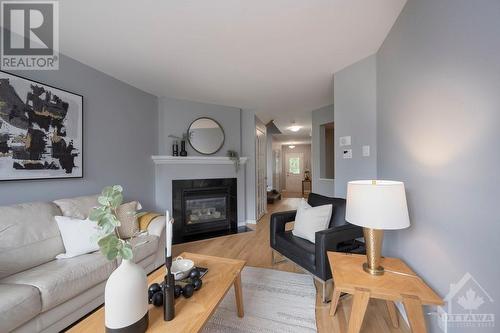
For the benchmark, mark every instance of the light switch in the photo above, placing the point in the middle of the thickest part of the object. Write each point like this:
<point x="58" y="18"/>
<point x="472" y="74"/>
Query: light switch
<point x="345" y="141"/>
<point x="347" y="153"/>
<point x="366" y="151"/>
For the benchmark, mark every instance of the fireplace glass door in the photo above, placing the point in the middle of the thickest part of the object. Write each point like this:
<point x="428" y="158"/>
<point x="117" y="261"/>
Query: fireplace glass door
<point x="205" y="210"/>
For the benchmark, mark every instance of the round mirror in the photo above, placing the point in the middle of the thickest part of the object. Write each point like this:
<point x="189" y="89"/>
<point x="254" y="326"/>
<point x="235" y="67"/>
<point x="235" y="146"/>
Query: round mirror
<point x="206" y="136"/>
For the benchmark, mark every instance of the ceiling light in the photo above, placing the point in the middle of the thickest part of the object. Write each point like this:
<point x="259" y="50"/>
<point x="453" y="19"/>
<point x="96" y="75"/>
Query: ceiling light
<point x="291" y="146"/>
<point x="294" y="128"/>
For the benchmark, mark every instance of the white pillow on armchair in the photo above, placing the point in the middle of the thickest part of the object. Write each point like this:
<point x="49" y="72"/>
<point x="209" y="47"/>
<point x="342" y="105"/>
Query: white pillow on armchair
<point x="310" y="220"/>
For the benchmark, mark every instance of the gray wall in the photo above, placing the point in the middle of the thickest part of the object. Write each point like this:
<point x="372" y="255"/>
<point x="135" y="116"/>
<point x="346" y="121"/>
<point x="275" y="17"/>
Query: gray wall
<point x="120" y="135"/>
<point x="355" y="100"/>
<point x="319" y="185"/>
<point x="176" y="115"/>
<point x="438" y="116"/>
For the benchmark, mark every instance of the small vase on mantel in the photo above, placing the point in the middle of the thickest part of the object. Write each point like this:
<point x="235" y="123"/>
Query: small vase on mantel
<point x="126" y="299"/>
<point x="183" y="148"/>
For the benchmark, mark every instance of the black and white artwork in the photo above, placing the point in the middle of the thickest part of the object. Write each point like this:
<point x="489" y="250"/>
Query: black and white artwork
<point x="40" y="130"/>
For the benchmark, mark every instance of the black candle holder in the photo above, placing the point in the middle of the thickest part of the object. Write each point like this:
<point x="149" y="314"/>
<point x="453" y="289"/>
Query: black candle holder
<point x="168" y="292"/>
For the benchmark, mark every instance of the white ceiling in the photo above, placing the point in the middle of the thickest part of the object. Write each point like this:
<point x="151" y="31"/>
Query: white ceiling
<point x="275" y="57"/>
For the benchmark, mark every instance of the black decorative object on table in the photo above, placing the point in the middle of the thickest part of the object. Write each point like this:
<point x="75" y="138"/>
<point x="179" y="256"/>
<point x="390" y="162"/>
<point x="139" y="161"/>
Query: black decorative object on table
<point x="169" y="292"/>
<point x="177" y="291"/>
<point x="197" y="283"/>
<point x="164" y="294"/>
<point x="152" y="290"/>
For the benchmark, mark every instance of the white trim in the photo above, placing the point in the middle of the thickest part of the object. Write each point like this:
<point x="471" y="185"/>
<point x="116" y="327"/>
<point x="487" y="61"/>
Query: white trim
<point x="326" y="179"/>
<point x="251" y="222"/>
<point x="165" y="159"/>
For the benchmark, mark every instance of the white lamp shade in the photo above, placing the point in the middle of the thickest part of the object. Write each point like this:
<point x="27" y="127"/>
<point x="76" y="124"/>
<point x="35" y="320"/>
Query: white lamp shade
<point x="377" y="204"/>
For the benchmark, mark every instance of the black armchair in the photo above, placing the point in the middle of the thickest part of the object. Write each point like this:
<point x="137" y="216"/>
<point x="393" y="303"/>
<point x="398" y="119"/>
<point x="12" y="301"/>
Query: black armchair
<point x="340" y="236"/>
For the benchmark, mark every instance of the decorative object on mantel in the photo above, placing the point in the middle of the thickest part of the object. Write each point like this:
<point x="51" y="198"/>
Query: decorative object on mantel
<point x="235" y="157"/>
<point x="183" y="151"/>
<point x="175" y="148"/>
<point x="175" y="145"/>
<point x="206" y="136"/>
<point x="41" y="137"/>
<point x="125" y="293"/>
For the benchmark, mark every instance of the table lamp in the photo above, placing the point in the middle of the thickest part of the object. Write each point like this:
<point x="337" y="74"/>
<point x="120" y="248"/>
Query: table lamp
<point x="376" y="205"/>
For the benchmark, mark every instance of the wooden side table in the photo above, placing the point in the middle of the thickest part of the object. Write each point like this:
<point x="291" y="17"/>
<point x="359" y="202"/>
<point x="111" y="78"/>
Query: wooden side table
<point x="399" y="283"/>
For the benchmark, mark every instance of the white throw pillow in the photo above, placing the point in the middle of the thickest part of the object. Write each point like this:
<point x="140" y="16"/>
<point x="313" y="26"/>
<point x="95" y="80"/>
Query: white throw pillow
<point x="79" y="236"/>
<point x="310" y="220"/>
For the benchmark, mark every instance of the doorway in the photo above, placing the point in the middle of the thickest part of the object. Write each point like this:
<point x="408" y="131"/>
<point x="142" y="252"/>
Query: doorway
<point x="294" y="172"/>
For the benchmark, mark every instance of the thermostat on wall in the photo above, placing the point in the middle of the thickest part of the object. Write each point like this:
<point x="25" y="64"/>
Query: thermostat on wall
<point x="345" y="141"/>
<point x="347" y="153"/>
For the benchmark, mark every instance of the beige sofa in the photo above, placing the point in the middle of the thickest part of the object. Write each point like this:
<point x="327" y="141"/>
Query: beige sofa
<point x="39" y="293"/>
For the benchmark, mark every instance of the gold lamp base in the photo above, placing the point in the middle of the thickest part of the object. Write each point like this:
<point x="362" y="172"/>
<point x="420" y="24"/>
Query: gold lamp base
<point x="373" y="242"/>
<point x="377" y="271"/>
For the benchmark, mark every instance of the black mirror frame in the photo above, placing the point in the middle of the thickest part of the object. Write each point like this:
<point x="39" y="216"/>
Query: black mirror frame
<point x="218" y="124"/>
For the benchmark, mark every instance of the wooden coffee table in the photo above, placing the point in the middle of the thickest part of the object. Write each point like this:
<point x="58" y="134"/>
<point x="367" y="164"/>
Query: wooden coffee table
<point x="191" y="314"/>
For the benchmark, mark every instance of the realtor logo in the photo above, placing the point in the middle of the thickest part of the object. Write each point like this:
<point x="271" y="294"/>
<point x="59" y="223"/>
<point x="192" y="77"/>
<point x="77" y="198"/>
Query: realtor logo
<point x="30" y="35"/>
<point x="468" y="306"/>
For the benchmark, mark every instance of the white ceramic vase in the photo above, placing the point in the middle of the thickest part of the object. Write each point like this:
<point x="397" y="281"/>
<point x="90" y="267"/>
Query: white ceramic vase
<point x="126" y="299"/>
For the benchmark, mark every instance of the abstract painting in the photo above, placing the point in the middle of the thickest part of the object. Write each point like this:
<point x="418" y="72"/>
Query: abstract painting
<point x="41" y="130"/>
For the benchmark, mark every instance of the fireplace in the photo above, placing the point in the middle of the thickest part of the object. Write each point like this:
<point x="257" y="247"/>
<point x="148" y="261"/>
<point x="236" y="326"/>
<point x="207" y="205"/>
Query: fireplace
<point x="203" y="208"/>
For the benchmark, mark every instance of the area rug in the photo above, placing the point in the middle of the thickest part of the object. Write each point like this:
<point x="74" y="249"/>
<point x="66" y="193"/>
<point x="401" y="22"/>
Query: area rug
<point x="274" y="301"/>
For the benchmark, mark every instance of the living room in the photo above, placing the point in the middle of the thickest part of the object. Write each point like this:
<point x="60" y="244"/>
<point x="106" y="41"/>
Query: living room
<point x="146" y="149"/>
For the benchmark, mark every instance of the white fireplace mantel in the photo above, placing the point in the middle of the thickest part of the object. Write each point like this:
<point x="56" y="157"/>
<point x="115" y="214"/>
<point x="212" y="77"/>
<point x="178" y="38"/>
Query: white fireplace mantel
<point x="166" y="159"/>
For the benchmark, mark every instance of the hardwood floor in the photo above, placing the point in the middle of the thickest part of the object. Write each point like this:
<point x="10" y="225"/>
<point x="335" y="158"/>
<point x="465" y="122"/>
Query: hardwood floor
<point x="254" y="248"/>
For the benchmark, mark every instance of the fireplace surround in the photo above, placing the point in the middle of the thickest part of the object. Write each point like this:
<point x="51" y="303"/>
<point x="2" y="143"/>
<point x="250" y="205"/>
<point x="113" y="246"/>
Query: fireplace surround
<point x="204" y="208"/>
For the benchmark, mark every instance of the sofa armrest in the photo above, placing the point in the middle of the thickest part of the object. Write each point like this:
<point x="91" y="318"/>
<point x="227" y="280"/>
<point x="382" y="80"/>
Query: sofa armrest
<point x="328" y="240"/>
<point x="278" y="222"/>
<point x="157" y="226"/>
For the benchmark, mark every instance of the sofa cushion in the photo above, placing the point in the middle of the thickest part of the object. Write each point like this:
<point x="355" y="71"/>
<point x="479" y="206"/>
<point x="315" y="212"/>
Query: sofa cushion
<point x="143" y="247"/>
<point x="300" y="250"/>
<point x="18" y="304"/>
<point x="60" y="280"/>
<point x="78" y="207"/>
<point x="127" y="215"/>
<point x="28" y="236"/>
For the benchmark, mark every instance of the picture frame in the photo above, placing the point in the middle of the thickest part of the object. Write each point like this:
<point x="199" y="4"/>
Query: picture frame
<point x="41" y="130"/>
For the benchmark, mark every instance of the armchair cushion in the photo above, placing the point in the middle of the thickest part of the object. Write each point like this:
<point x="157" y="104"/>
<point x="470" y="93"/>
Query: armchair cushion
<point x="331" y="240"/>
<point x="278" y="222"/>
<point x="338" y="213"/>
<point x="310" y="220"/>
<point x="301" y="251"/>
